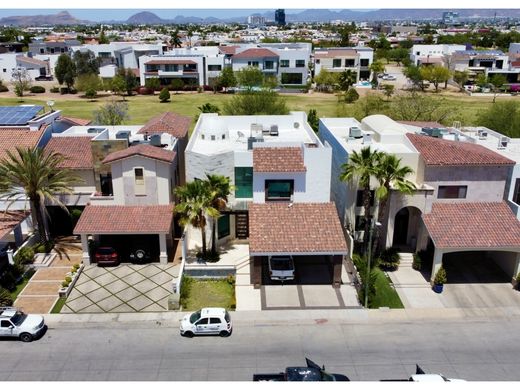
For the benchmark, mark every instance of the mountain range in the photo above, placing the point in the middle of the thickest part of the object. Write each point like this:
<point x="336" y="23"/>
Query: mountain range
<point x="310" y="15"/>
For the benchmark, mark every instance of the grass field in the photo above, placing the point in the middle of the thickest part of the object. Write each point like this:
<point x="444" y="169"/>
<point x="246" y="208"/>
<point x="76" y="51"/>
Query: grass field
<point x="142" y="108"/>
<point x="199" y="293"/>
<point x="386" y="296"/>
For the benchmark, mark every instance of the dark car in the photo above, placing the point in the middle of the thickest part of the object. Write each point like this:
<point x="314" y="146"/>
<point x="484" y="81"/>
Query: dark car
<point x="106" y="256"/>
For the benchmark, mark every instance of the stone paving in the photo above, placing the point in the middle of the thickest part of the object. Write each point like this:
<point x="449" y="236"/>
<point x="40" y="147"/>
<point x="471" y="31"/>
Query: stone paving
<point x="125" y="288"/>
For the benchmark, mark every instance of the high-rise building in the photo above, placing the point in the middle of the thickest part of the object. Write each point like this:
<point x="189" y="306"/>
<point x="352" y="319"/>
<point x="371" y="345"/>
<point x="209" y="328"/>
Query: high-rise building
<point x="279" y="17"/>
<point x="256" y="20"/>
<point x="450" y="18"/>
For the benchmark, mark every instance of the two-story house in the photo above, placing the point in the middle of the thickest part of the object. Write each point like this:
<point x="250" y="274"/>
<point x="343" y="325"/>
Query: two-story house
<point x="281" y="200"/>
<point x="339" y="59"/>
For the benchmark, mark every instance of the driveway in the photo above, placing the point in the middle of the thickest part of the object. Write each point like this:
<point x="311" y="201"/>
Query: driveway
<point x="125" y="288"/>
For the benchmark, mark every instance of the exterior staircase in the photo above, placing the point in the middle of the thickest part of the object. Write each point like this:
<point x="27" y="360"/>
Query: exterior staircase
<point x="406" y="259"/>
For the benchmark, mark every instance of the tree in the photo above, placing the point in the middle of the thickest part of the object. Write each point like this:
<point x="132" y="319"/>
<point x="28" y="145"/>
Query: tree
<point x="164" y="96"/>
<point x="85" y="62"/>
<point x="195" y="203"/>
<point x="91" y="93"/>
<point x="175" y="39"/>
<point x="227" y="78"/>
<point x="250" y="77"/>
<point x="399" y="55"/>
<point x="220" y="188"/>
<point x="21" y="81"/>
<point x="413" y="73"/>
<point x="497" y="81"/>
<point x="482" y="80"/>
<point x="351" y="95"/>
<point x="313" y="120"/>
<point x="111" y="114"/>
<point x="325" y="80"/>
<point x="361" y="167"/>
<point x="65" y="70"/>
<point x="345" y="33"/>
<point x="436" y="75"/>
<point x="503" y="116"/>
<point x="371" y="103"/>
<point x="130" y="80"/>
<point x="460" y="77"/>
<point x="209" y="108"/>
<point x="36" y="175"/>
<point x="388" y="90"/>
<point x="103" y="40"/>
<point x="88" y="81"/>
<point x="264" y="102"/>
<point x="376" y="67"/>
<point x="418" y="107"/>
<point x="118" y="85"/>
<point x="347" y="78"/>
<point x="153" y="83"/>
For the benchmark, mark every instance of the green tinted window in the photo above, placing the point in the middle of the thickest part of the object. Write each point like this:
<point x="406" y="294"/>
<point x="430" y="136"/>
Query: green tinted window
<point x="223" y="226"/>
<point x="243" y="182"/>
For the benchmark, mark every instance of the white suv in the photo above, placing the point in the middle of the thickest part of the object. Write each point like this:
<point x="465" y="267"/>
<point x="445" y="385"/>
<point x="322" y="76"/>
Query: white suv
<point x="281" y="268"/>
<point x="15" y="323"/>
<point x="211" y="320"/>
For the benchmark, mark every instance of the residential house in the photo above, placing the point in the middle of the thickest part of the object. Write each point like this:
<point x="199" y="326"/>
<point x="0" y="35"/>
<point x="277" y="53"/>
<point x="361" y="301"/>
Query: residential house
<point x="340" y="59"/>
<point x="36" y="68"/>
<point x="433" y="54"/>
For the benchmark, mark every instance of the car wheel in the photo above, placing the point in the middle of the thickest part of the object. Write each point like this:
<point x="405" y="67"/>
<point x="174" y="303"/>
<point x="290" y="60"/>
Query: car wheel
<point x="26" y="337"/>
<point x="140" y="254"/>
<point x="224" y="333"/>
<point x="188" y="334"/>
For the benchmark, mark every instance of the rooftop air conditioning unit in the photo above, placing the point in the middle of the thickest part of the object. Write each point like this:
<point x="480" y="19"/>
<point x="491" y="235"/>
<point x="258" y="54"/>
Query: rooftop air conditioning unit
<point x="482" y="134"/>
<point x="123" y="134"/>
<point x="155" y="140"/>
<point x="367" y="139"/>
<point x="502" y="143"/>
<point x="274" y="130"/>
<point x="355" y="132"/>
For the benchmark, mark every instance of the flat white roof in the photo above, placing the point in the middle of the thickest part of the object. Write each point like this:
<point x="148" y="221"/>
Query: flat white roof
<point x="511" y="151"/>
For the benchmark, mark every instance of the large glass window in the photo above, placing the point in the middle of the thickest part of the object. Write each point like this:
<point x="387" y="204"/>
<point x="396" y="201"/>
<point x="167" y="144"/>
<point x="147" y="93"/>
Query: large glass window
<point x="452" y="192"/>
<point x="105" y="181"/>
<point x="300" y="63"/>
<point x="350" y="62"/>
<point x="269" y="65"/>
<point x="214" y="67"/>
<point x="223" y="226"/>
<point x="253" y="63"/>
<point x="516" y="193"/>
<point x="243" y="182"/>
<point x="139" y="181"/>
<point x="336" y="63"/>
<point x="291" y="78"/>
<point x="279" y="189"/>
<point x="284" y="63"/>
<point x="363" y="62"/>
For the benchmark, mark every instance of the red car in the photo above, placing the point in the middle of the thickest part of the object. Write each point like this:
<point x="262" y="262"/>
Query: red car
<point x="106" y="256"/>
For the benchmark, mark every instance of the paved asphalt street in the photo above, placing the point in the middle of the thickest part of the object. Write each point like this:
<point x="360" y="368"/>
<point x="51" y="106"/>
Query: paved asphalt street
<point x="469" y="348"/>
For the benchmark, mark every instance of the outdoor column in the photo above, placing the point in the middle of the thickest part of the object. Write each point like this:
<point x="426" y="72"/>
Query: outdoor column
<point x="18" y="236"/>
<point x="437" y="262"/>
<point x="85" y="250"/>
<point x="163" y="254"/>
<point x="337" y="262"/>
<point x="256" y="271"/>
<point x="517" y="267"/>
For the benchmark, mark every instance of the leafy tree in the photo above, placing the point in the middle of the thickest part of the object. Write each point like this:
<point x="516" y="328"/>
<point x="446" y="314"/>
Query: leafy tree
<point x="111" y="114"/>
<point x="399" y="55"/>
<point x="325" y="80"/>
<point x="65" y="70"/>
<point x="347" y="78"/>
<point x="414" y="74"/>
<point x="164" y="96"/>
<point x="175" y="39"/>
<point x="153" y="83"/>
<point x="370" y="104"/>
<point x="21" y="81"/>
<point x="482" y="80"/>
<point x="209" y="108"/>
<point x="130" y="80"/>
<point x="461" y="77"/>
<point x="39" y="176"/>
<point x="264" y="102"/>
<point x="118" y="85"/>
<point x="388" y="90"/>
<point x="418" y="107"/>
<point x="376" y="67"/>
<point x="436" y="75"/>
<point x="497" y="81"/>
<point x="250" y="77"/>
<point x="503" y="116"/>
<point x="103" y="40"/>
<point x="88" y="81"/>
<point x="351" y="95"/>
<point x="227" y="78"/>
<point x="345" y="33"/>
<point x="91" y="93"/>
<point x="314" y="121"/>
<point x="220" y="188"/>
<point x="85" y="62"/>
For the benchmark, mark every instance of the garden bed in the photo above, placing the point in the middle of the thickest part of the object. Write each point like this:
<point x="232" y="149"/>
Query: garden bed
<point x="199" y="293"/>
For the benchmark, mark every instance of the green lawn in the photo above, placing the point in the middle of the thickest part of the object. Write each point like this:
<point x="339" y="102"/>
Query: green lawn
<point x="207" y="293"/>
<point x="58" y="306"/>
<point x="20" y="286"/>
<point x="386" y="296"/>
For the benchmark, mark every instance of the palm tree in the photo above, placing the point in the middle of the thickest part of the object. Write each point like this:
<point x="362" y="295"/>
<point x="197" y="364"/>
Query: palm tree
<point x="195" y="203"/>
<point x="391" y="175"/>
<point x="37" y="175"/>
<point x="220" y="187"/>
<point x="362" y="167"/>
<point x="175" y="40"/>
<point x="376" y="67"/>
<point x="347" y="78"/>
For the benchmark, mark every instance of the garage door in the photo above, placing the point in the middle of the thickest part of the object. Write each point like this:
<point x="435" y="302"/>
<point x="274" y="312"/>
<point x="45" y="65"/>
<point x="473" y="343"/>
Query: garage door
<point x="125" y="244"/>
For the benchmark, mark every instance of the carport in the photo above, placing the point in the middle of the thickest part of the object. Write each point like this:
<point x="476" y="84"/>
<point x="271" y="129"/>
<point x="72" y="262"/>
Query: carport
<point x="476" y="234"/>
<point x="310" y="232"/>
<point x="125" y="226"/>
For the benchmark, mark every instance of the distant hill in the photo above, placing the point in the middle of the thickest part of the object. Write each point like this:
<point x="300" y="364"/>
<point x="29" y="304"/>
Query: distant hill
<point x="39" y="20"/>
<point x="145" y="18"/>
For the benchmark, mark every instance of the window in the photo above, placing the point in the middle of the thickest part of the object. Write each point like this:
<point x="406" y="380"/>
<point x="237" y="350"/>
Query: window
<point x="253" y="63"/>
<point x="171" y="68"/>
<point x="243" y="182"/>
<point x="214" y="67"/>
<point x="291" y="78"/>
<point x="42" y="50"/>
<point x="223" y="226"/>
<point x="300" y="63"/>
<point x="5" y="70"/>
<point x="360" y="222"/>
<point x="363" y="62"/>
<point x="269" y="65"/>
<point x="52" y="50"/>
<point x="336" y="63"/>
<point x="318" y="61"/>
<point x="105" y="181"/>
<point x="350" y="63"/>
<point x="279" y="189"/>
<point x="284" y="63"/>
<point x="139" y="181"/>
<point x="215" y="321"/>
<point x="452" y="192"/>
<point x="5" y="324"/>
<point x="202" y="321"/>
<point x="359" y="198"/>
<point x="499" y="64"/>
<point x="516" y="193"/>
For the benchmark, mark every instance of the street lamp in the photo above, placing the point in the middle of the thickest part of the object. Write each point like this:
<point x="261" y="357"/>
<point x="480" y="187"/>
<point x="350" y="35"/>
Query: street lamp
<point x="372" y="226"/>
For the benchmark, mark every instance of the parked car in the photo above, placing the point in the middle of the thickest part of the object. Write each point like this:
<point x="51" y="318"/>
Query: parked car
<point x="281" y="268"/>
<point x="210" y="320"/>
<point x="106" y="255"/>
<point x="389" y="77"/>
<point x="421" y="376"/>
<point x="15" y="323"/>
<point x="140" y="255"/>
<point x="311" y="373"/>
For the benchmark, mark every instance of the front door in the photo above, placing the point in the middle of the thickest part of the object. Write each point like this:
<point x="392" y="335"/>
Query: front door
<point x="401" y="227"/>
<point x="6" y="328"/>
<point x="242" y="225"/>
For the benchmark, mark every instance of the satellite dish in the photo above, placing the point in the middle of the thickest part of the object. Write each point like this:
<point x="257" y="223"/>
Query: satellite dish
<point x="50" y="103"/>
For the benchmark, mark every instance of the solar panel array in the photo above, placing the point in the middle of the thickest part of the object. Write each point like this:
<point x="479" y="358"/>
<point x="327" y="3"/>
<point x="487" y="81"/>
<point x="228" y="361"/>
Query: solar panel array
<point x="18" y="115"/>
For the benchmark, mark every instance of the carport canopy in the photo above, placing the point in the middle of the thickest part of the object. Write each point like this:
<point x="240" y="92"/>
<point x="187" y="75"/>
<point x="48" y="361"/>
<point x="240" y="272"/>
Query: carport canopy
<point x="10" y="222"/>
<point x="475" y="226"/>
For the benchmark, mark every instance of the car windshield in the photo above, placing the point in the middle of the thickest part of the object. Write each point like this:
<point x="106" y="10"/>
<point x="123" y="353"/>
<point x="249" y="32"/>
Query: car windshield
<point x="105" y="251"/>
<point x="325" y="376"/>
<point x="281" y="264"/>
<point x="18" y="318"/>
<point x="195" y="317"/>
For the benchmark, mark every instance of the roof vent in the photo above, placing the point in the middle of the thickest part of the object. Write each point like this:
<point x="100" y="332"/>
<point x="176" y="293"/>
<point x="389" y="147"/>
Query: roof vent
<point x="355" y="132"/>
<point x="296" y="125"/>
<point x="274" y="130"/>
<point x="123" y="134"/>
<point x="367" y="139"/>
<point x="502" y="143"/>
<point x="155" y="140"/>
<point x="482" y="134"/>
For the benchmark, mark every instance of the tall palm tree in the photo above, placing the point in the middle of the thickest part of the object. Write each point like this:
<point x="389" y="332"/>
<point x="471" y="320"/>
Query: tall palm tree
<point x="220" y="187"/>
<point x="347" y="78"/>
<point x="36" y="175"/>
<point x="391" y="175"/>
<point x="362" y="167"/>
<point x="195" y="203"/>
<point x="175" y="39"/>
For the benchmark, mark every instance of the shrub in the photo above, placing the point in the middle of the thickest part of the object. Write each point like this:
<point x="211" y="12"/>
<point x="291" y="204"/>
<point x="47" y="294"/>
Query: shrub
<point x="164" y="96"/>
<point x="351" y="95"/>
<point x="68" y="279"/>
<point x="37" y="89"/>
<point x="389" y="259"/>
<point x="145" y="91"/>
<point x="3" y="88"/>
<point x="24" y="255"/>
<point x="64" y="90"/>
<point x="440" y="276"/>
<point x="361" y="266"/>
<point x="55" y="90"/>
<point x="417" y="262"/>
<point x="74" y="216"/>
<point x="154" y="83"/>
<point x="176" y="85"/>
<point x="90" y="93"/>
<point x="212" y="257"/>
<point x="5" y="297"/>
<point x="233" y="304"/>
<point x="231" y="279"/>
<point x="11" y="276"/>
<point x="186" y="284"/>
<point x="75" y="267"/>
<point x="65" y="284"/>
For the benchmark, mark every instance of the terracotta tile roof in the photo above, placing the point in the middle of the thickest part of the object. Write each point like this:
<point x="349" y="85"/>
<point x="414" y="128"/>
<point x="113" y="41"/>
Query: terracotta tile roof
<point x="168" y="122"/>
<point x="33" y="61"/>
<point x="437" y="151"/>
<point x="148" y="151"/>
<point x="228" y="49"/>
<point x="77" y="151"/>
<point x="515" y="64"/>
<point x="335" y="53"/>
<point x="76" y="121"/>
<point x="431" y="60"/>
<point x="272" y="159"/>
<point x="466" y="225"/>
<point x="302" y="228"/>
<point x="422" y="124"/>
<point x="125" y="219"/>
<point x="24" y="138"/>
<point x="10" y="219"/>
<point x="255" y="53"/>
<point x="169" y="62"/>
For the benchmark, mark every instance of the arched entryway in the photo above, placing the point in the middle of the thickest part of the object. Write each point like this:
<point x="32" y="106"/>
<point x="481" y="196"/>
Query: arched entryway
<point x="406" y="228"/>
